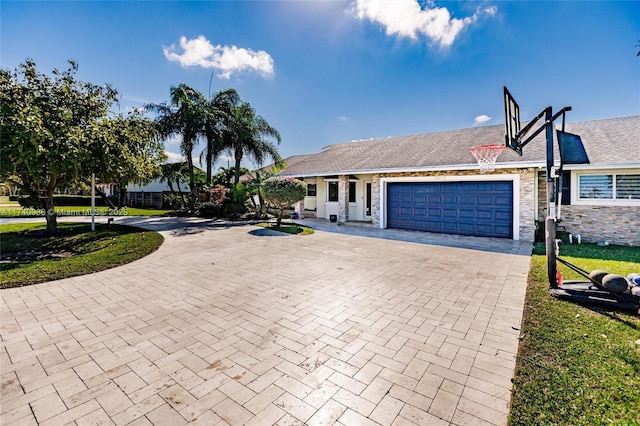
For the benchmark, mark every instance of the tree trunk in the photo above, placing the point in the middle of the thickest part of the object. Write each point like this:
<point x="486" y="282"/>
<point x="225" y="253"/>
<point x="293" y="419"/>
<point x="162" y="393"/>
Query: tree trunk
<point x="122" y="196"/>
<point x="209" y="161"/>
<point x="184" y="202"/>
<point x="253" y="202"/>
<point x="236" y="173"/>
<point x="279" y="223"/>
<point x="50" y="214"/>
<point x="104" y="198"/>
<point x="192" y="184"/>
<point x="260" y="208"/>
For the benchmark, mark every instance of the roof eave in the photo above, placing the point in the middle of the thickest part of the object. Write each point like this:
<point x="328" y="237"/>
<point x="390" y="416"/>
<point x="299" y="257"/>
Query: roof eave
<point x="602" y="166"/>
<point x="458" y="167"/>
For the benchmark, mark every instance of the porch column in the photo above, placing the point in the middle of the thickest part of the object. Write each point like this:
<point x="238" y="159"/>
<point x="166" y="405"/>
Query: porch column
<point x="299" y="208"/>
<point x="343" y="198"/>
<point x="376" y="217"/>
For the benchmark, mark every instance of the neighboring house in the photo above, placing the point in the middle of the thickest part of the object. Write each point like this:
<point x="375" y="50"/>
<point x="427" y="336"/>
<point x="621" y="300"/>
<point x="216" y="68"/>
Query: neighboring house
<point x="431" y="182"/>
<point x="108" y="188"/>
<point x="153" y="194"/>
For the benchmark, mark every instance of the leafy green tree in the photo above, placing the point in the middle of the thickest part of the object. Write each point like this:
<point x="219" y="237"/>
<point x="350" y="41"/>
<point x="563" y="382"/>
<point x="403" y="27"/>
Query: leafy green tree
<point x="175" y="173"/>
<point x="254" y="184"/>
<point x="48" y="126"/>
<point x="132" y="151"/>
<point x="283" y="193"/>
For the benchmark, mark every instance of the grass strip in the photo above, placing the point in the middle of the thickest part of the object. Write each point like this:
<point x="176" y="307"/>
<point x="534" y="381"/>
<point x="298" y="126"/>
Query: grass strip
<point x="62" y="211"/>
<point x="30" y="257"/>
<point x="577" y="365"/>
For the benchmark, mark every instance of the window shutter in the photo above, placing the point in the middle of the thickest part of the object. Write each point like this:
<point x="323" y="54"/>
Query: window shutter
<point x="596" y="186"/>
<point x="628" y="187"/>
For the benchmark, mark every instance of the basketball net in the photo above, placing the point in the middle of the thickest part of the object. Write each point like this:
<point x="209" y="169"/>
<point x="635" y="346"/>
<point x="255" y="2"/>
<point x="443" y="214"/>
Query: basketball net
<point x="487" y="156"/>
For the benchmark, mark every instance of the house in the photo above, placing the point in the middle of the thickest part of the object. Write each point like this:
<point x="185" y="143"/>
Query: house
<point x="108" y="188"/>
<point x="154" y="193"/>
<point x="431" y="182"/>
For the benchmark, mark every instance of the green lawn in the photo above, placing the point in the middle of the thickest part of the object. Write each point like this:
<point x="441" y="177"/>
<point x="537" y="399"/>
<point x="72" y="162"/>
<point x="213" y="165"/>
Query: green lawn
<point x="289" y="228"/>
<point x="63" y="211"/>
<point x="29" y="257"/>
<point x="576" y="365"/>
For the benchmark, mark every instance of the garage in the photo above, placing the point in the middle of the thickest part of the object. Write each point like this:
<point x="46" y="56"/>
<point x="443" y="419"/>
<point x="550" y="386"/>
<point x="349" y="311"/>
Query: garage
<point x="466" y="208"/>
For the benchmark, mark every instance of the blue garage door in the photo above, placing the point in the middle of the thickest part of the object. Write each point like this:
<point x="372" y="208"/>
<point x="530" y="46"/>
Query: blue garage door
<point x="465" y="208"/>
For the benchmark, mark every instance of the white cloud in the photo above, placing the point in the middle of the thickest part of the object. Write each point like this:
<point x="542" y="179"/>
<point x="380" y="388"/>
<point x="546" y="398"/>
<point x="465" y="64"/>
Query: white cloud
<point x="483" y="118"/>
<point x="405" y="18"/>
<point x="226" y="59"/>
<point x="173" y="157"/>
<point x="343" y="119"/>
<point x="174" y="139"/>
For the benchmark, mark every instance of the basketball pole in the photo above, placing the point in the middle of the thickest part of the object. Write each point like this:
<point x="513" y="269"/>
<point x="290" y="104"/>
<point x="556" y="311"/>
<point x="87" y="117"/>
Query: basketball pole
<point x="550" y="222"/>
<point x="553" y="194"/>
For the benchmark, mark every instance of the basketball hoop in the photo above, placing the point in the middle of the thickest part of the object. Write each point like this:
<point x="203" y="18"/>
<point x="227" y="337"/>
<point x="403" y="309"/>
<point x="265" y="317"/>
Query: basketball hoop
<point x="487" y="156"/>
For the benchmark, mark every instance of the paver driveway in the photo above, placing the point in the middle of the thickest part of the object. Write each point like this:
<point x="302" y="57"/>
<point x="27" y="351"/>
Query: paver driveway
<point x="236" y="325"/>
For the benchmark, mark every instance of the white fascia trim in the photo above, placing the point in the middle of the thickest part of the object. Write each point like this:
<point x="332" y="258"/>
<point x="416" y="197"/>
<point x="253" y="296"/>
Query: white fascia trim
<point x="514" y="177"/>
<point x="514" y="165"/>
<point x="603" y="167"/>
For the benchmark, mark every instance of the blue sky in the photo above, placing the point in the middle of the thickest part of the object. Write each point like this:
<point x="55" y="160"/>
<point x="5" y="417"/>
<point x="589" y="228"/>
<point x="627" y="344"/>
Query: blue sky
<point x="325" y="72"/>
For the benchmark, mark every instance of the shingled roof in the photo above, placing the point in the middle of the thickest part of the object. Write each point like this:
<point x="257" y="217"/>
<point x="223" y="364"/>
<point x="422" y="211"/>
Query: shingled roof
<point x="609" y="142"/>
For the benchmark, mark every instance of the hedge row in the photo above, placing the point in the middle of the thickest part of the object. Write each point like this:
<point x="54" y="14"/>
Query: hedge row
<point x="71" y="200"/>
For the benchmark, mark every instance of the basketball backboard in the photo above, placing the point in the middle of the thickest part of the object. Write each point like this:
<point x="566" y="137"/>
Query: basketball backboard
<point x="571" y="148"/>
<point x="511" y="122"/>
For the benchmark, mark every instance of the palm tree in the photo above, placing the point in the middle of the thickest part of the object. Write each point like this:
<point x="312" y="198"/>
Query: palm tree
<point x="174" y="172"/>
<point x="185" y="116"/>
<point x="224" y="176"/>
<point x="247" y="134"/>
<point x="218" y="112"/>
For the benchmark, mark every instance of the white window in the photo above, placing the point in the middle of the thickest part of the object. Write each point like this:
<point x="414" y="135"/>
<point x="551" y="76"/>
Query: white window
<point x="628" y="187"/>
<point x="332" y="191"/>
<point x="609" y="188"/>
<point x="596" y="187"/>
<point x="311" y="190"/>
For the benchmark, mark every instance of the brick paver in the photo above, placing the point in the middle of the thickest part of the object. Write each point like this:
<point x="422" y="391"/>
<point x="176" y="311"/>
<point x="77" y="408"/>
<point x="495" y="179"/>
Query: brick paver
<point x="238" y="325"/>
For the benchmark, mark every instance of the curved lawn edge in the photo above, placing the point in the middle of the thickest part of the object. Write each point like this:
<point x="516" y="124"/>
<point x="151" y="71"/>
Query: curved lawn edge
<point x="287" y="228"/>
<point x="78" y="251"/>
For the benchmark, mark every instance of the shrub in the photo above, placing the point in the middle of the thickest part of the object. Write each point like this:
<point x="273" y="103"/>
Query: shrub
<point x="67" y="200"/>
<point x="213" y="207"/>
<point x="209" y="210"/>
<point x="174" y="201"/>
<point x="236" y="204"/>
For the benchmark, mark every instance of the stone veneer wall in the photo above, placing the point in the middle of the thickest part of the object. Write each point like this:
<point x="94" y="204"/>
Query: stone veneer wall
<point x="527" y="195"/>
<point x="343" y="198"/>
<point x="617" y="224"/>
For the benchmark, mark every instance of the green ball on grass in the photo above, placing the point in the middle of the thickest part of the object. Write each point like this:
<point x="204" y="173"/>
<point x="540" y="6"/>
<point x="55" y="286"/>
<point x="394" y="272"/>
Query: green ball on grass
<point x="615" y="283"/>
